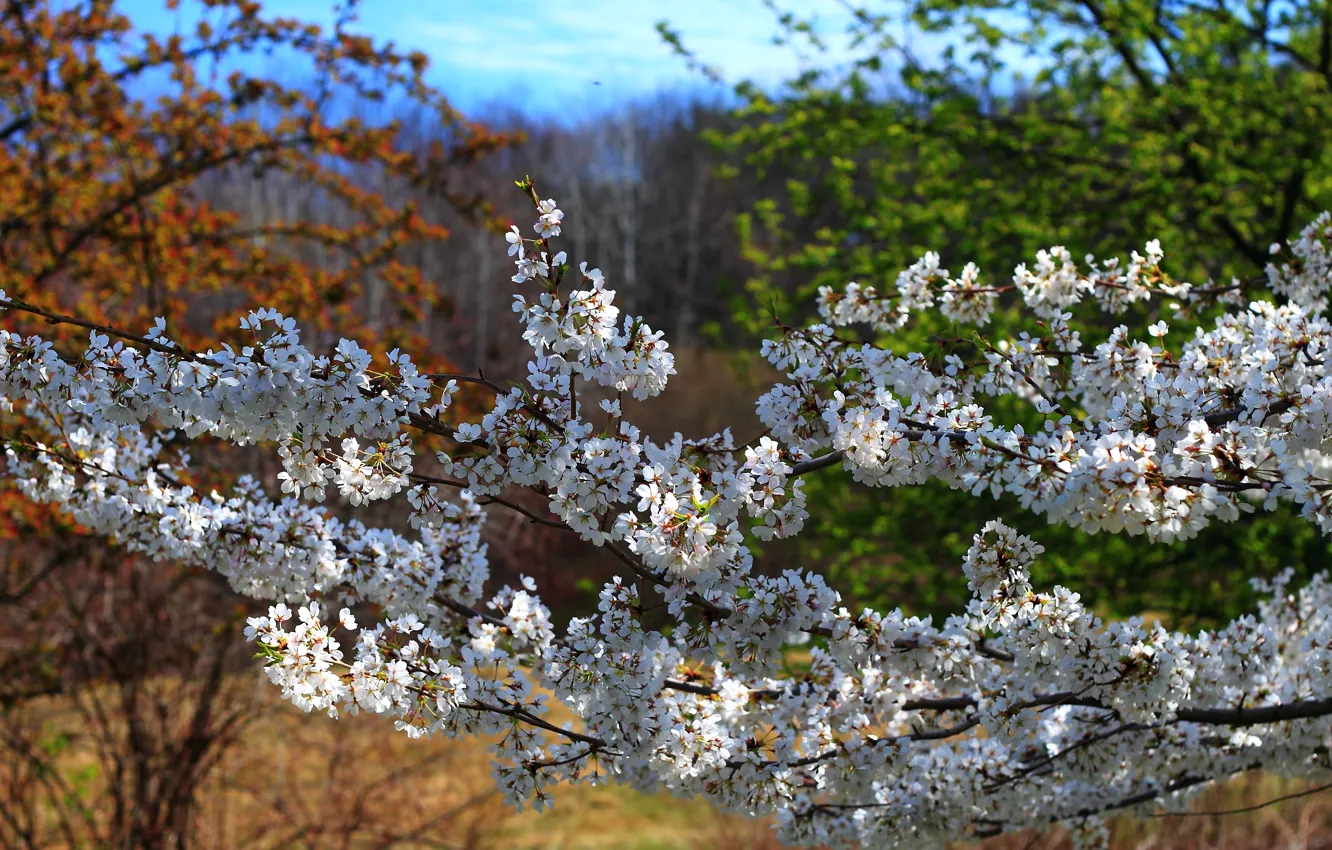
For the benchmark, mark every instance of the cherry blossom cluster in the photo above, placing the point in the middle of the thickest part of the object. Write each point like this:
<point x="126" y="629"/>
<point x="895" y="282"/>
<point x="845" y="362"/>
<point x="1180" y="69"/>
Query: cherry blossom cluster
<point x="1021" y="711"/>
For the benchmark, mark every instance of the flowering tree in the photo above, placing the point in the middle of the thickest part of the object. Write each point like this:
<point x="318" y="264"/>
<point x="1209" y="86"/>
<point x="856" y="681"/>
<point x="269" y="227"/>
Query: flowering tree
<point x="1022" y="710"/>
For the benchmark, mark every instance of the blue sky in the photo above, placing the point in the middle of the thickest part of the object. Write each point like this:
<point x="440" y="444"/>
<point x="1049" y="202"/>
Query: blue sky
<point x="553" y="57"/>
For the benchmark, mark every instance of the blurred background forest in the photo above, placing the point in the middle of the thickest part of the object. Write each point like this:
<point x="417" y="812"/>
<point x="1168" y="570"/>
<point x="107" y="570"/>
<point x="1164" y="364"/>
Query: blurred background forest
<point x="146" y="176"/>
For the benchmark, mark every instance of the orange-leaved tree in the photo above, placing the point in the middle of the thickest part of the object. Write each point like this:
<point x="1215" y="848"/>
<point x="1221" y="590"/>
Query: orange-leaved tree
<point x="118" y="206"/>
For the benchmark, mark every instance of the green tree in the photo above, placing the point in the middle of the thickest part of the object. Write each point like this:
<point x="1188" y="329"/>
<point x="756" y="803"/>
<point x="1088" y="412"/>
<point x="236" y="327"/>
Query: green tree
<point x="1076" y="122"/>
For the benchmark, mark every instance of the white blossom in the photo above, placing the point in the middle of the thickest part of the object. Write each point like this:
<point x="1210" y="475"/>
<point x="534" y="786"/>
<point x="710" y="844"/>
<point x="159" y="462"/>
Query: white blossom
<point x="1022" y="710"/>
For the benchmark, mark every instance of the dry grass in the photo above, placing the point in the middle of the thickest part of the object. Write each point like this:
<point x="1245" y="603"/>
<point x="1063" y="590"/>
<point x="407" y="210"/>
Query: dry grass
<point x="294" y="780"/>
<point x="302" y="781"/>
<point x="1303" y="823"/>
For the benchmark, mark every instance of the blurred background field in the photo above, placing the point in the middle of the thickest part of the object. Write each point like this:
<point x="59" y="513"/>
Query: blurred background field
<point x="305" y="781"/>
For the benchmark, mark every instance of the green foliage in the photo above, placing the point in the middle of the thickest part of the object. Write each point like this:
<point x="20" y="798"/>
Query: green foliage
<point x="1202" y="126"/>
<point x="905" y="546"/>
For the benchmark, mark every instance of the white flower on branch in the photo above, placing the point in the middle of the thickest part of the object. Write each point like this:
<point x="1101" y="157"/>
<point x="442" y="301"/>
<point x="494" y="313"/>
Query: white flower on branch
<point x="1022" y="710"/>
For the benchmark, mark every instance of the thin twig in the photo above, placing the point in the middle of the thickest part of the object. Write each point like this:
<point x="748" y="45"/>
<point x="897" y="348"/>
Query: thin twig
<point x="1308" y="792"/>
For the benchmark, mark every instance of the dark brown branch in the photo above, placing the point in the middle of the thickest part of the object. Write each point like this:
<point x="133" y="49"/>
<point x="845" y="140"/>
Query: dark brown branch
<point x="1221" y="417"/>
<point x="58" y="319"/>
<point x="815" y="464"/>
